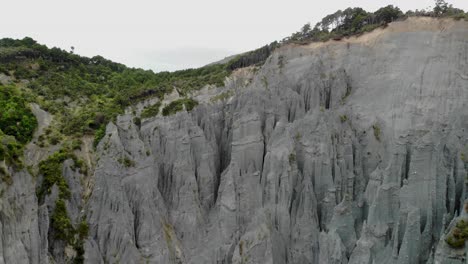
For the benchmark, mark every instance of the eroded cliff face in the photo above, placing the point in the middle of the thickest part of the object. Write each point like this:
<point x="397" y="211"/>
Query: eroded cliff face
<point x="348" y="151"/>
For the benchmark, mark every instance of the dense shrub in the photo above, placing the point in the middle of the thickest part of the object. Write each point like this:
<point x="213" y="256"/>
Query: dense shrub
<point x="61" y="223"/>
<point x="16" y="118"/>
<point x="10" y="150"/>
<point x="51" y="170"/>
<point x="100" y="133"/>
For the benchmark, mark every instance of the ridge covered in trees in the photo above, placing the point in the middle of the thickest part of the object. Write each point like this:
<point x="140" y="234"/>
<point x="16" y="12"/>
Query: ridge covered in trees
<point x="345" y="23"/>
<point x="354" y="21"/>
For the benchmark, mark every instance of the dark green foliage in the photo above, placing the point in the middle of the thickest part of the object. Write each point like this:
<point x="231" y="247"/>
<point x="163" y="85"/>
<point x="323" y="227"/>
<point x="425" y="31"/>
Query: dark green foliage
<point x="137" y="121"/>
<point x="83" y="230"/>
<point x="255" y="57"/>
<point x="51" y="170"/>
<point x="63" y="230"/>
<point x="10" y="150"/>
<point x="100" y="133"/>
<point x="178" y="105"/>
<point x="387" y="14"/>
<point x="459" y="234"/>
<point x="150" y="111"/>
<point x="16" y="118"/>
<point x="61" y="223"/>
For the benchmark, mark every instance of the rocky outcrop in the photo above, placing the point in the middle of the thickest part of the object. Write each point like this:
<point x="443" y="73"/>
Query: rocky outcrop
<point x="349" y="151"/>
<point x="342" y="152"/>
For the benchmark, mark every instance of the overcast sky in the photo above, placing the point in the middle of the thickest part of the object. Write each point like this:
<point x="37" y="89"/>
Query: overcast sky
<point x="171" y="34"/>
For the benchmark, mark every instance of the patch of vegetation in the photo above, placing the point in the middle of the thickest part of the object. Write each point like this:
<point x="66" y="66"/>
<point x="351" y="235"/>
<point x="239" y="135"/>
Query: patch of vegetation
<point x="178" y="105"/>
<point x="292" y="158"/>
<point x="222" y="96"/>
<point x="5" y="176"/>
<point x="126" y="162"/>
<point x="64" y="230"/>
<point x="137" y="122"/>
<point x="150" y="111"/>
<point x="298" y="136"/>
<point x="458" y="235"/>
<point x="100" y="133"/>
<point x="17" y="125"/>
<point x="252" y="58"/>
<point x="343" y="118"/>
<point x="10" y="150"/>
<point x="16" y="118"/>
<point x="51" y="170"/>
<point x="76" y="144"/>
<point x="61" y="223"/>
<point x="376" y="131"/>
<point x="82" y="231"/>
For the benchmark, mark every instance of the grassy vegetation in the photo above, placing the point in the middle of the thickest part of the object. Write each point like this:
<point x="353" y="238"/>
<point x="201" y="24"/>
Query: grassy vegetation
<point x="150" y="111"/>
<point x="178" y="105"/>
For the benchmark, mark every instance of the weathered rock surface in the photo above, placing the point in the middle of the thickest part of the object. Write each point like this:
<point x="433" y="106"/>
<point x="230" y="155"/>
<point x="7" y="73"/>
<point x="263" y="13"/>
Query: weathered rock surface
<point x="340" y="152"/>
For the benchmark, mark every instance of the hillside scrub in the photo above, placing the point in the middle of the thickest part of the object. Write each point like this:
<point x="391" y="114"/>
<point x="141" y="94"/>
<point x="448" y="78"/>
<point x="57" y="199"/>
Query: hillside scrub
<point x="86" y="93"/>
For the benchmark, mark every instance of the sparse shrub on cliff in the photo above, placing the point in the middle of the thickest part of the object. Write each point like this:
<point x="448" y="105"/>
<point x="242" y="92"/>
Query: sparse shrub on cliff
<point x="126" y="162"/>
<point x="178" y="105"/>
<point x="343" y="118"/>
<point x="458" y="235"/>
<point x="150" y="111"/>
<point x="377" y="132"/>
